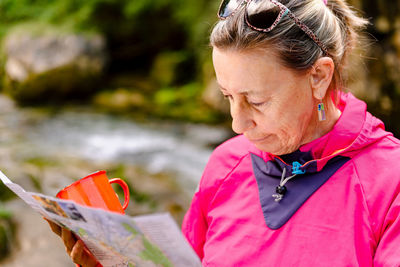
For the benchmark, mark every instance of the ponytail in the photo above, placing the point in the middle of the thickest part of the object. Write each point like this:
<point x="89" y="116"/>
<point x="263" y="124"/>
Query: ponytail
<point x="350" y="25"/>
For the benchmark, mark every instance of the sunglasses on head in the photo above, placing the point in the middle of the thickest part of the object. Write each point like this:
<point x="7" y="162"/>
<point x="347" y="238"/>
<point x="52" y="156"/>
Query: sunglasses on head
<point x="264" y="15"/>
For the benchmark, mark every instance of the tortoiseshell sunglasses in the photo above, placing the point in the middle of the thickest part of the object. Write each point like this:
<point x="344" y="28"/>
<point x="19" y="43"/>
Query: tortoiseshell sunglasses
<point x="255" y="16"/>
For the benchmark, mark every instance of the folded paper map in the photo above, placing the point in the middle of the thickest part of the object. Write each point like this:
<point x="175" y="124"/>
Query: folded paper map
<point x="113" y="238"/>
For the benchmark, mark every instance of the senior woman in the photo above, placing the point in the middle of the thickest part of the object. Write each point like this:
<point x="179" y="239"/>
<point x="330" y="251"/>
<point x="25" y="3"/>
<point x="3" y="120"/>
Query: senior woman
<point x="312" y="179"/>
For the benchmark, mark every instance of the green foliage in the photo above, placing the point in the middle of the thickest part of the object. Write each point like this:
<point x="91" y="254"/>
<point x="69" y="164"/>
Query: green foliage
<point x="163" y="40"/>
<point x="183" y="103"/>
<point x="135" y="195"/>
<point x="7" y="231"/>
<point x="83" y="14"/>
<point x="174" y="102"/>
<point x="40" y="162"/>
<point x="169" y="68"/>
<point x="5" y="214"/>
<point x="5" y="193"/>
<point x="176" y="95"/>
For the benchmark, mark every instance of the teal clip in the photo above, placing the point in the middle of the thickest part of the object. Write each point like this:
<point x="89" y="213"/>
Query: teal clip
<point x="296" y="168"/>
<point x="286" y="12"/>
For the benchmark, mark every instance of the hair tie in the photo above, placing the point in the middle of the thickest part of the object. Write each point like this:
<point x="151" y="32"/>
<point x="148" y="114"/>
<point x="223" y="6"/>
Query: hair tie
<point x="325" y="2"/>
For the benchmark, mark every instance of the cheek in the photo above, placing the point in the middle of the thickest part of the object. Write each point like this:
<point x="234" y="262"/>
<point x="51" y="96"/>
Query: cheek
<point x="288" y="113"/>
<point x="291" y="121"/>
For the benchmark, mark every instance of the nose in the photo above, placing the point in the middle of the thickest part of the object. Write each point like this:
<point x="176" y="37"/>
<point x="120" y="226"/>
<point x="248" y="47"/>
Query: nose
<point x="242" y="120"/>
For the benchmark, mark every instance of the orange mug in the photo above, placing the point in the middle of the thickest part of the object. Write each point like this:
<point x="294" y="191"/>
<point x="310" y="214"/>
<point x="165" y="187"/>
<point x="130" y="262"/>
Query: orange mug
<point x="95" y="190"/>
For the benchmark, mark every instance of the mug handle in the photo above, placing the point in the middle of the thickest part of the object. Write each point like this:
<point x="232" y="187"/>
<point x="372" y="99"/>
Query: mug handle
<point x="124" y="187"/>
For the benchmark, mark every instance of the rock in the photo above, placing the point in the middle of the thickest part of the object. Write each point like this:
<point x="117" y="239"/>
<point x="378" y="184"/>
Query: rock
<point x="36" y="244"/>
<point x="7" y="105"/>
<point x="121" y="100"/>
<point x="50" y="65"/>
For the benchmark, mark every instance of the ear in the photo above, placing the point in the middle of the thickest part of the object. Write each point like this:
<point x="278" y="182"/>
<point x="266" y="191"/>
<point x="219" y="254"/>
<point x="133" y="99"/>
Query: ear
<point x="321" y="76"/>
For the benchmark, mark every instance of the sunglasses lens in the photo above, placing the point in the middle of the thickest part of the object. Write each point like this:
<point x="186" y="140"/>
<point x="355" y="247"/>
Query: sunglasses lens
<point x="228" y="7"/>
<point x="262" y="14"/>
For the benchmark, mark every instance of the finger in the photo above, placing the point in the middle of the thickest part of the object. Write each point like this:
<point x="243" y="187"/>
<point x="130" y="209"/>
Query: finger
<point x="68" y="238"/>
<point x="54" y="227"/>
<point x="82" y="256"/>
<point x="77" y="253"/>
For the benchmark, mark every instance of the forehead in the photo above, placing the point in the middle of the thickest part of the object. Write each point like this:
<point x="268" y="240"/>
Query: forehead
<point x="250" y="70"/>
<point x="247" y="56"/>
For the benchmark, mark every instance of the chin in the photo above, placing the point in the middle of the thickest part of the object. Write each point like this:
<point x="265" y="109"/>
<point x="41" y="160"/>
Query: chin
<point x="275" y="150"/>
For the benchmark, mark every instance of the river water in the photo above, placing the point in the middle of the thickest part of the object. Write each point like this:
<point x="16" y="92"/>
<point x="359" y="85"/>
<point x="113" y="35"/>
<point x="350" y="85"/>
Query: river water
<point x="181" y="149"/>
<point x="177" y="148"/>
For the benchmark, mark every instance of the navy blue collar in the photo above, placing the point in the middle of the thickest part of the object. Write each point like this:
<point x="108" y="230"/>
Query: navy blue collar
<point x="299" y="189"/>
<point x="276" y="166"/>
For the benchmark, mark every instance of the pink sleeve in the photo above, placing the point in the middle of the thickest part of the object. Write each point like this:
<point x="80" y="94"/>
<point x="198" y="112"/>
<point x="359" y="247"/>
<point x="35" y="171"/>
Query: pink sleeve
<point x="194" y="226"/>
<point x="388" y="251"/>
<point x="223" y="159"/>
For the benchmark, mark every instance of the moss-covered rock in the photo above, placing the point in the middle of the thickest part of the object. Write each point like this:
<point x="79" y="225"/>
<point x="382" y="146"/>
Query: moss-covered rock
<point x="54" y="85"/>
<point x="50" y="65"/>
<point x="121" y="100"/>
<point x="175" y="103"/>
<point x="184" y="103"/>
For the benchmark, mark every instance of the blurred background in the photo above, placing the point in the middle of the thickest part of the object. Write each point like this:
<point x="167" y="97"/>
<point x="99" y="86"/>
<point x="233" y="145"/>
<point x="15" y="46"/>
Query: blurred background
<point x="128" y="86"/>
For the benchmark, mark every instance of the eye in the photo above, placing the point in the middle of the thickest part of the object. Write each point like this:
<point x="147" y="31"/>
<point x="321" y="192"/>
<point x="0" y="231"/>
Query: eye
<point x="229" y="97"/>
<point x="257" y="104"/>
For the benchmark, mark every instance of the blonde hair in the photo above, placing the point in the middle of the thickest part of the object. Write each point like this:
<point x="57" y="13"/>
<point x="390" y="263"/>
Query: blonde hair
<point x="336" y="25"/>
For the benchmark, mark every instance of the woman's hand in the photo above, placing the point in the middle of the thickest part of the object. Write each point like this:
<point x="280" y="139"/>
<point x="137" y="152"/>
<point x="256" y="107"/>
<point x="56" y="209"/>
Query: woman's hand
<point x="75" y="248"/>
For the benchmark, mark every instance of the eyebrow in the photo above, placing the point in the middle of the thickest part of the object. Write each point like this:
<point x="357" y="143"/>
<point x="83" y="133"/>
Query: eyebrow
<point x="243" y="92"/>
<point x="221" y="88"/>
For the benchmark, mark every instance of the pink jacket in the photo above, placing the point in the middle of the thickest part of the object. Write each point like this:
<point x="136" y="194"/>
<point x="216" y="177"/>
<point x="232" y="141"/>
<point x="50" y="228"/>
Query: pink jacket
<point x="343" y="211"/>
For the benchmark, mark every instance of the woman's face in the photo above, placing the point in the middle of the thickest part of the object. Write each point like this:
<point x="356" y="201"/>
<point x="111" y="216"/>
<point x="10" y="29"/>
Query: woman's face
<point x="270" y="104"/>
